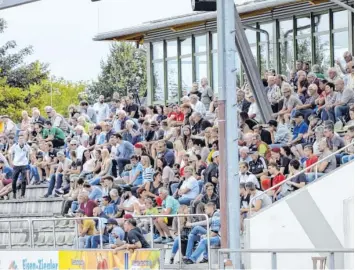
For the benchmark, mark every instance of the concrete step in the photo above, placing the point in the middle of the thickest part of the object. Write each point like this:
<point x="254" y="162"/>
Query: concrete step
<point x="22" y="224"/>
<point x="28" y="207"/>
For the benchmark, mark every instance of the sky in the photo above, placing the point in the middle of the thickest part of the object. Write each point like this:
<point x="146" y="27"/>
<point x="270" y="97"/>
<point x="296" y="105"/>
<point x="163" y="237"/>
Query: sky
<point x="61" y="31"/>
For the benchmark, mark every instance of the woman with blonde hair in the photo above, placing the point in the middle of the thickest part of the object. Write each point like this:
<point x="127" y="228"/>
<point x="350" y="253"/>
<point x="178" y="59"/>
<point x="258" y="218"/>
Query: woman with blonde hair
<point x="106" y="167"/>
<point x="179" y="151"/>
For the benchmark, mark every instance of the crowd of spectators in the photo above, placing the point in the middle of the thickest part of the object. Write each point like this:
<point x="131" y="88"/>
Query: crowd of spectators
<point x="117" y="160"/>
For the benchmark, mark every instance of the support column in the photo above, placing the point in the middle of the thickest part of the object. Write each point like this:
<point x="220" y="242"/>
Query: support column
<point x="228" y="170"/>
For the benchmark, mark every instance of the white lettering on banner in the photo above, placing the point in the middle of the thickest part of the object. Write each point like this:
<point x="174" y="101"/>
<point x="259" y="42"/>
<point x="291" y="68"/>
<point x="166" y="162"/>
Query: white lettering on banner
<point x="29" y="260"/>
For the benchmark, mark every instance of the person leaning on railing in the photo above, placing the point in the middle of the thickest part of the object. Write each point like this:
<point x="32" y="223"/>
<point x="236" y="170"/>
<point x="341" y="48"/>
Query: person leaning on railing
<point x="258" y="199"/>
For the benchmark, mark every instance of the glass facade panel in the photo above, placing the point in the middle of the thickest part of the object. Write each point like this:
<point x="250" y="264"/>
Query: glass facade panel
<point x="186" y="46"/>
<point x="322" y="45"/>
<point x="214" y="41"/>
<point x="253" y="50"/>
<point x="286" y="56"/>
<point x="171" y="48"/>
<point x="201" y="67"/>
<point x="304" y="49"/>
<point x="269" y="28"/>
<point x="158" y="81"/>
<point x="172" y="68"/>
<point x="215" y="72"/>
<point x="286" y="29"/>
<point x="321" y="23"/>
<point x="251" y="36"/>
<point x="186" y="74"/>
<point x="340" y="19"/>
<point x="303" y="26"/>
<point x="265" y="57"/>
<point x="158" y="50"/>
<point x="200" y="43"/>
<point x="238" y="66"/>
<point x="341" y="45"/>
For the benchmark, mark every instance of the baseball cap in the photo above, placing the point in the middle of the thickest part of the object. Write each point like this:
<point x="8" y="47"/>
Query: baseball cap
<point x="215" y="154"/>
<point x="275" y="150"/>
<point x="111" y="221"/>
<point x="74" y="142"/>
<point x="127" y="216"/>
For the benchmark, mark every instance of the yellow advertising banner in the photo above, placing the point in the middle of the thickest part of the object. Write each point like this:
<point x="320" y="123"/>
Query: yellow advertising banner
<point x="109" y="259"/>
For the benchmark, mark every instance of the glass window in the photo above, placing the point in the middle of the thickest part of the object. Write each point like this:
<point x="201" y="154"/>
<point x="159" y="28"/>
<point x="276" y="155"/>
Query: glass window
<point x="158" y="50"/>
<point x="238" y="66"/>
<point x="341" y="45"/>
<point x="253" y="51"/>
<point x="321" y="23"/>
<point x="286" y="29"/>
<point x="200" y="43"/>
<point x="171" y="48"/>
<point x="201" y="67"/>
<point x="186" y="46"/>
<point x="304" y="51"/>
<point x="215" y="72"/>
<point x="269" y="28"/>
<point x="322" y="44"/>
<point x="172" y="69"/>
<point x="158" y="81"/>
<point x="186" y="74"/>
<point x="265" y="57"/>
<point x="303" y="26"/>
<point x="340" y="19"/>
<point x="251" y="36"/>
<point x="286" y="56"/>
<point x="214" y="41"/>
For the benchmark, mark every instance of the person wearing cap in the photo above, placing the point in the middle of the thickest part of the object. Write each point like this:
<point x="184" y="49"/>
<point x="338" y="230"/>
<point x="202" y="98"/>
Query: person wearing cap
<point x="115" y="233"/>
<point x="299" y="130"/>
<point x="86" y="228"/>
<point x="258" y="199"/>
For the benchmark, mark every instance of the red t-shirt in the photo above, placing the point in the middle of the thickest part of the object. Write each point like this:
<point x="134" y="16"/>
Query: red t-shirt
<point x="176" y="116"/>
<point x="278" y="179"/>
<point x="313" y="159"/>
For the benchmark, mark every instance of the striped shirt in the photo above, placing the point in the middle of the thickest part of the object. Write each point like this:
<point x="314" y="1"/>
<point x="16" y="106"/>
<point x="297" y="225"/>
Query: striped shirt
<point x="148" y="174"/>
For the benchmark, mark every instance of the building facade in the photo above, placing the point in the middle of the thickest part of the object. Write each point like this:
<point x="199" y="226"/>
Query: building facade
<point x="182" y="50"/>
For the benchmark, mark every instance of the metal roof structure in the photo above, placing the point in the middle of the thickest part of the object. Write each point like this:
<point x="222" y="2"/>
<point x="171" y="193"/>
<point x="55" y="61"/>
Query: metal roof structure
<point x="246" y="9"/>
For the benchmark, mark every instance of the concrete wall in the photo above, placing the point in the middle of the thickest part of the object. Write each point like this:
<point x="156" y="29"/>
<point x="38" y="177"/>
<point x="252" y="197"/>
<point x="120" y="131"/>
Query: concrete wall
<point x="309" y="218"/>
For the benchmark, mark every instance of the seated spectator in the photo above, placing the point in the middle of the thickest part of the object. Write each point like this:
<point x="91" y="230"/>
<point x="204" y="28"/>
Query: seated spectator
<point x="244" y="204"/>
<point x="95" y="193"/>
<point x="115" y="233"/>
<point x="106" y="167"/>
<point x="311" y="158"/>
<point x="253" y="112"/>
<point x="244" y="155"/>
<point x="326" y="110"/>
<point x="200" y="124"/>
<point x="275" y="178"/>
<point x="197" y="105"/>
<point x="86" y="228"/>
<point x="161" y="151"/>
<point x="289" y="103"/>
<point x="245" y="176"/>
<point x="136" y="173"/>
<point x="126" y="205"/>
<point x="306" y="109"/>
<point x="334" y="141"/>
<point x="299" y="130"/>
<point x="199" y="203"/>
<point x="53" y="134"/>
<point x="258" y="199"/>
<point x="282" y="161"/>
<point x="328" y="164"/>
<point x="260" y="146"/>
<point x="70" y="203"/>
<point x="197" y="231"/>
<point x="345" y="98"/>
<point x="124" y="152"/>
<point x="101" y="228"/>
<point x="273" y="94"/>
<point x="349" y="151"/>
<point x="134" y="238"/>
<point x="131" y="134"/>
<point x="189" y="188"/>
<point x="211" y="173"/>
<point x="6" y="173"/>
<point x="332" y="75"/>
<point x="153" y="187"/>
<point x="264" y="134"/>
<point x="86" y="204"/>
<point x="170" y="207"/>
<point x="258" y="164"/>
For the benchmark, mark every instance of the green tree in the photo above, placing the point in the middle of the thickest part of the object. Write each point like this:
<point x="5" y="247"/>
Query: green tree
<point x="124" y="72"/>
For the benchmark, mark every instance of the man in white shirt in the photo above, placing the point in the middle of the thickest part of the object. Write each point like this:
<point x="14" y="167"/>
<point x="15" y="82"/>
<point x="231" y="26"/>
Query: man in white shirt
<point x="20" y="158"/>
<point x="189" y="188"/>
<point x="245" y="176"/>
<point x="253" y="112"/>
<point x="127" y="201"/>
<point x="197" y="105"/>
<point x="81" y="135"/>
<point x="102" y="110"/>
<point x="75" y="146"/>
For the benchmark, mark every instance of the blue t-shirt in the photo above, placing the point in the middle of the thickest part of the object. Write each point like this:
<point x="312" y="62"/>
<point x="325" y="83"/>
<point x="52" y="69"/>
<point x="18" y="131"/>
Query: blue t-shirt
<point x="134" y="171"/>
<point x="95" y="194"/>
<point x="8" y="172"/>
<point x="117" y="232"/>
<point x="302" y="128"/>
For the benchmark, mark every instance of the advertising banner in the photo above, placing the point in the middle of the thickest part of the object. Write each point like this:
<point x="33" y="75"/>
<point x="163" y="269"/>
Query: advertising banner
<point x="109" y="259"/>
<point x="25" y="260"/>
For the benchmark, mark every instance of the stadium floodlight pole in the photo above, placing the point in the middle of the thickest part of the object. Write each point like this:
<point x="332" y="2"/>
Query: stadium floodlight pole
<point x="4" y="4"/>
<point x="227" y="123"/>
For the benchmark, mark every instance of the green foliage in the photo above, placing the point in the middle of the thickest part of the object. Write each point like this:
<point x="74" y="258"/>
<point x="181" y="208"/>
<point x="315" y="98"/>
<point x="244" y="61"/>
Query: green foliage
<point x="124" y="72"/>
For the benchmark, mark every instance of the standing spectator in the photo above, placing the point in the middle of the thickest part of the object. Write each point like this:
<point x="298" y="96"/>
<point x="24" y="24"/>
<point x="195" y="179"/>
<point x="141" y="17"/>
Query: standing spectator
<point x="124" y="152"/>
<point x="20" y="159"/>
<point x="195" y="91"/>
<point x="101" y="109"/>
<point x="131" y="108"/>
<point x="206" y="93"/>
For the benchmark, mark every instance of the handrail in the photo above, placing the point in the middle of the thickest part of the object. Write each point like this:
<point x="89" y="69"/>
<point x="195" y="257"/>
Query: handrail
<point x="10" y="229"/>
<point x="290" y="250"/>
<point x="76" y="230"/>
<point x="300" y="172"/>
<point x="179" y="232"/>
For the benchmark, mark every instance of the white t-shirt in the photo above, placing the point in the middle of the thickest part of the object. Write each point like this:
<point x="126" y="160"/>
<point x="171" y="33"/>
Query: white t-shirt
<point x="20" y="154"/>
<point x="265" y="199"/>
<point x="253" y="109"/>
<point x="245" y="178"/>
<point x="192" y="184"/>
<point x="102" y="111"/>
<point x="129" y="203"/>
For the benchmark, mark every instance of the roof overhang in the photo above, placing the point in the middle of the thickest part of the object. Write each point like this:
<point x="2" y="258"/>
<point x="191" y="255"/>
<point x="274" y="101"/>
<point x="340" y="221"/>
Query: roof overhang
<point x="137" y="33"/>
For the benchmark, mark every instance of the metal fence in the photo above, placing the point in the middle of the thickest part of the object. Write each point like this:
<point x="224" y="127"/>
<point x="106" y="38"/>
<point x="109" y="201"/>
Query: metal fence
<point x="178" y="216"/>
<point x="32" y="221"/>
<point x="303" y="171"/>
<point x="9" y="221"/>
<point x="273" y="254"/>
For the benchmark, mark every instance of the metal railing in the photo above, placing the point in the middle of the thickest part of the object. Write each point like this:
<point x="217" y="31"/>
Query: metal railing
<point x="9" y="221"/>
<point x="32" y="221"/>
<point x="306" y="170"/>
<point x="179" y="231"/>
<point x="274" y="252"/>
